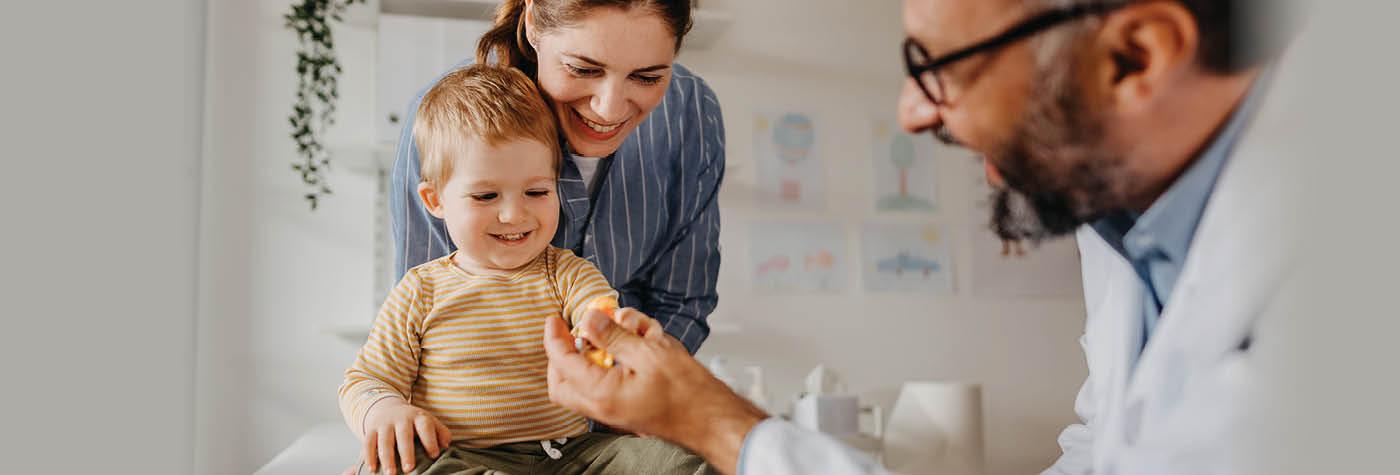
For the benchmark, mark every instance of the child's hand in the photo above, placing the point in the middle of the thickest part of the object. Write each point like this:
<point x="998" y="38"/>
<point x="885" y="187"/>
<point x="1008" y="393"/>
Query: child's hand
<point x="392" y="423"/>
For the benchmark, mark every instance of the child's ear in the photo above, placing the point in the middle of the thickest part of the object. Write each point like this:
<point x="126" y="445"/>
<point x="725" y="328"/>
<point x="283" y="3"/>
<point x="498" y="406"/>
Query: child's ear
<point x="430" y="198"/>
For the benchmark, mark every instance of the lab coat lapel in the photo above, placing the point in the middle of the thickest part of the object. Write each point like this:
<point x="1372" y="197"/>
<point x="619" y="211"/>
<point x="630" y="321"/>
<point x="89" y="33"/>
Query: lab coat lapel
<point x="1239" y="255"/>
<point x="1112" y="296"/>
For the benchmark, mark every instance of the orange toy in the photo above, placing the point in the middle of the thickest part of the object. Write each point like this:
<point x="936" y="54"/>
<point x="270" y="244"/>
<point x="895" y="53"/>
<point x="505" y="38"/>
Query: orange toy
<point x="598" y="356"/>
<point x="604" y="304"/>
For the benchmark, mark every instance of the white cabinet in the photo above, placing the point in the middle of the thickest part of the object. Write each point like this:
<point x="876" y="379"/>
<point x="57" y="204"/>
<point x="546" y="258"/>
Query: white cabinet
<point x="414" y="50"/>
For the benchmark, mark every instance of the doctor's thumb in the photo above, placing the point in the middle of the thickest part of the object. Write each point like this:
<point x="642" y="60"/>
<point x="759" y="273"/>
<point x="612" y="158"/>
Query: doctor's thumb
<point x="606" y="334"/>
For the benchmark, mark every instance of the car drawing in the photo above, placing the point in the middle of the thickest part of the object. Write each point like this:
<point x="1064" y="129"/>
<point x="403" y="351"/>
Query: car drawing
<point x="903" y="262"/>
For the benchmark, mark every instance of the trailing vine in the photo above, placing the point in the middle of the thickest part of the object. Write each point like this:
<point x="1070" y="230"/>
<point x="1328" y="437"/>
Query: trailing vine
<point x="317" y="74"/>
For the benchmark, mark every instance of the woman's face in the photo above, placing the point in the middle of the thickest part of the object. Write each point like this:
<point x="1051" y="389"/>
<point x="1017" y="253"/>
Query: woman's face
<point x="605" y="74"/>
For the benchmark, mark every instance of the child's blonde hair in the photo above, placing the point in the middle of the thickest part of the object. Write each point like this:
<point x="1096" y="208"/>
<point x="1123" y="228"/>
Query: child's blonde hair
<point x="489" y="103"/>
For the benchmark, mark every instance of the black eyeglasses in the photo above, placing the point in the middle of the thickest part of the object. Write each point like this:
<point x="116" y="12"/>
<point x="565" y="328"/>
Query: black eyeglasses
<point x="924" y="69"/>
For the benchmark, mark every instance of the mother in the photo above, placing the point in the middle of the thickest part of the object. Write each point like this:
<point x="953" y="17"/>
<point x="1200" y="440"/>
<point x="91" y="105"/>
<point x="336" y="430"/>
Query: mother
<point x="644" y="148"/>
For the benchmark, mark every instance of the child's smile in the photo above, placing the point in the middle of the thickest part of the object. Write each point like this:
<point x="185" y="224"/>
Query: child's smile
<point x="512" y="239"/>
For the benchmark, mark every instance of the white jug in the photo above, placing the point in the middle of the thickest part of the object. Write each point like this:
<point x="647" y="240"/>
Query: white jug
<point x="935" y="428"/>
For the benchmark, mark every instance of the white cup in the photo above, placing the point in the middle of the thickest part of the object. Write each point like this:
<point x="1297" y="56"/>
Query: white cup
<point x="835" y="415"/>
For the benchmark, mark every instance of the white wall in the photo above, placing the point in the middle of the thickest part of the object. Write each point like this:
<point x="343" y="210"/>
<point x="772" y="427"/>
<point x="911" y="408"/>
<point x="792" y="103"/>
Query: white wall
<point x="99" y="193"/>
<point x="840" y="60"/>
<point x="275" y="274"/>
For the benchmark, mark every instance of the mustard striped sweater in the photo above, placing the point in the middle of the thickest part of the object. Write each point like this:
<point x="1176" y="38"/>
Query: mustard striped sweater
<point x="468" y="348"/>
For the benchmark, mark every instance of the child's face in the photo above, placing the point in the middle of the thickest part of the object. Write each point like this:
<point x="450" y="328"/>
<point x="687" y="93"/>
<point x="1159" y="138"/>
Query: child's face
<point x="500" y="205"/>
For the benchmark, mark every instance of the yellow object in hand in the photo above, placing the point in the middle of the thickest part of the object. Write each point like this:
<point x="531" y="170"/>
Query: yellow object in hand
<point x="606" y="305"/>
<point x="598" y="356"/>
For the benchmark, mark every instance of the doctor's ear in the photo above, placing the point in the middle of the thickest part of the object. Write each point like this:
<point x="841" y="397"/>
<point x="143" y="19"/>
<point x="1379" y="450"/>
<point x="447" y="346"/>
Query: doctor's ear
<point x="431" y="200"/>
<point x="1140" y="48"/>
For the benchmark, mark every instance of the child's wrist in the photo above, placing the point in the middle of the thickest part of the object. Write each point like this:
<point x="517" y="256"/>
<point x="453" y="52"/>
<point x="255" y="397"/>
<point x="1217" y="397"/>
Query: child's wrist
<point x="374" y="399"/>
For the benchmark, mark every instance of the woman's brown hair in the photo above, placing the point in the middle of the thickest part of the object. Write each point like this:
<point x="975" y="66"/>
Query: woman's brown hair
<point x="507" y="41"/>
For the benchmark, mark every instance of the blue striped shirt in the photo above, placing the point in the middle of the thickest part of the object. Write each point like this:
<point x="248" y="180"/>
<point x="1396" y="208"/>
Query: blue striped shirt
<point x="652" y="225"/>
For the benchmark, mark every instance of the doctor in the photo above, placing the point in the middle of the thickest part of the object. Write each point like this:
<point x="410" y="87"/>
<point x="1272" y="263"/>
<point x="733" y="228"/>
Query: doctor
<point x="1137" y="126"/>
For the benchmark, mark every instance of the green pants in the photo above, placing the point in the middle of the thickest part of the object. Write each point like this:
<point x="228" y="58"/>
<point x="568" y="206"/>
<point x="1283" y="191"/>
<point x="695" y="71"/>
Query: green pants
<point x="588" y="454"/>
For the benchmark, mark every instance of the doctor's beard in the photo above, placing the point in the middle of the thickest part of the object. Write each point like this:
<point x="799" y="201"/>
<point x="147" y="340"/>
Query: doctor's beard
<point x="1058" y="171"/>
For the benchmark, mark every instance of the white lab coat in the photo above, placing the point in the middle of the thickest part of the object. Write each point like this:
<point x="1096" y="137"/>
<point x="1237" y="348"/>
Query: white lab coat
<point x="1187" y="403"/>
<point x="1184" y="405"/>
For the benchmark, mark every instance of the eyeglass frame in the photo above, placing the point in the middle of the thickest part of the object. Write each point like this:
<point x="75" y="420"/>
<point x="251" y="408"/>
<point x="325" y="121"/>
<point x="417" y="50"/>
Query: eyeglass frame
<point x="1036" y="24"/>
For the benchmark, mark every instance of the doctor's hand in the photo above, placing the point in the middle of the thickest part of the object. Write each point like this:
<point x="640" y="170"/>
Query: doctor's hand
<point x="655" y="388"/>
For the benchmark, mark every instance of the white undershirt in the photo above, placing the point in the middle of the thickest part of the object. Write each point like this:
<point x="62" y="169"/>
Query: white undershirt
<point x="587" y="168"/>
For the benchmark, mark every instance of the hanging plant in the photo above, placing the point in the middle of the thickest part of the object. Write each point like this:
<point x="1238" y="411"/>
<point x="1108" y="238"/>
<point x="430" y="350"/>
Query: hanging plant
<point x="317" y="72"/>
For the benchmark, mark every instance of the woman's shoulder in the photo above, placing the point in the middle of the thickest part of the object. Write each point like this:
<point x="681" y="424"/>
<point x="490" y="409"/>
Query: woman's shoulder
<point x="689" y="89"/>
<point x="690" y="112"/>
<point x="682" y="137"/>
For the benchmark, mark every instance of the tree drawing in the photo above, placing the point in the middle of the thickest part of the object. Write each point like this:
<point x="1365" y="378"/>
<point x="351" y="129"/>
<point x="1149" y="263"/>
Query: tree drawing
<point x="902" y="154"/>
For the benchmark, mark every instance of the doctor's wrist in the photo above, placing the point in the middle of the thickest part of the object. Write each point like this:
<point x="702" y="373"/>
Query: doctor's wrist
<point x="715" y="429"/>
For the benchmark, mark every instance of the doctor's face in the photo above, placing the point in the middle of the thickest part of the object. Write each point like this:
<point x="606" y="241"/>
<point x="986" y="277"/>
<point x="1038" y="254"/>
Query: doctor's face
<point x="1023" y="107"/>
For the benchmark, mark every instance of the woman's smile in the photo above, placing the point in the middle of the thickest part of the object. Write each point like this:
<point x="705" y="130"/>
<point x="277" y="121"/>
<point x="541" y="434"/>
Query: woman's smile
<point x="595" y="130"/>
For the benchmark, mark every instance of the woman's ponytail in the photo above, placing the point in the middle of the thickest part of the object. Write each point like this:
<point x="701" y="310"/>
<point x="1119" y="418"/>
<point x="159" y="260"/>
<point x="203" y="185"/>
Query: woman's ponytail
<point x="506" y="39"/>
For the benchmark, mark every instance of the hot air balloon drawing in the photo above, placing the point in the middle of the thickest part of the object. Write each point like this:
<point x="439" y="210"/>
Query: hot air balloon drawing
<point x="793" y="137"/>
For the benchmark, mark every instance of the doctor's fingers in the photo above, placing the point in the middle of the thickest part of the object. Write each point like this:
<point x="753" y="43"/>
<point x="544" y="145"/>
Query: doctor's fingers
<point x="635" y="353"/>
<point x="602" y="331"/>
<point x="639" y="323"/>
<point x="916" y="113"/>
<point x="558" y="343"/>
<point x="569" y="372"/>
<point x="565" y="362"/>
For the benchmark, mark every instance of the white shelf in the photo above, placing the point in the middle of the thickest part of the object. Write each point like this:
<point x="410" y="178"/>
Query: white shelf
<point x="707" y="26"/>
<point x="459" y="9"/>
<point x="355" y="333"/>
<point x="362" y="157"/>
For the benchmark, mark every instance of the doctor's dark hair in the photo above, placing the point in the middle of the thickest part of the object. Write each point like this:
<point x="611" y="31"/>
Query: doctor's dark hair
<point x="507" y="40"/>
<point x="1235" y="35"/>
